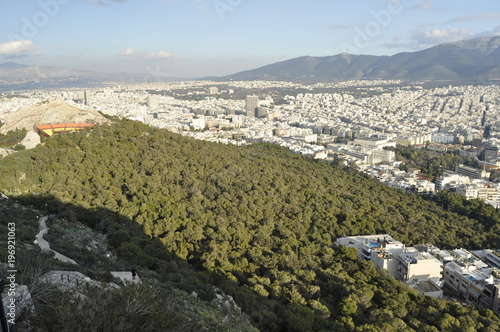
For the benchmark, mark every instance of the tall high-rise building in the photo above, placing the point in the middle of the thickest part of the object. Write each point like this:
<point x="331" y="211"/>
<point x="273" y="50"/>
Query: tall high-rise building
<point x="252" y="103"/>
<point x="86" y="98"/>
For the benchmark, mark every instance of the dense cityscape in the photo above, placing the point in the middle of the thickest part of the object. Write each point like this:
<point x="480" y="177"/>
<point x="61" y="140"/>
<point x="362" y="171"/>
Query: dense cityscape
<point x="357" y="123"/>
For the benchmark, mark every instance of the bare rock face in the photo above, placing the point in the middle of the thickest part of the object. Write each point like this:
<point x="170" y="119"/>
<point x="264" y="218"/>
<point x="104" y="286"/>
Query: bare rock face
<point x="31" y="139"/>
<point x="22" y="302"/>
<point x="50" y="112"/>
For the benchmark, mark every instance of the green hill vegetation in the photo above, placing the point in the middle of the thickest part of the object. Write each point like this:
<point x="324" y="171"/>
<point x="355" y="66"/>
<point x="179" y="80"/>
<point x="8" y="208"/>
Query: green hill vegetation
<point x="157" y="304"/>
<point x="257" y="222"/>
<point x="12" y="138"/>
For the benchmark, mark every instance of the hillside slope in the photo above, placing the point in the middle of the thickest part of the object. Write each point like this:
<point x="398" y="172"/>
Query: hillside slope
<point x="260" y="218"/>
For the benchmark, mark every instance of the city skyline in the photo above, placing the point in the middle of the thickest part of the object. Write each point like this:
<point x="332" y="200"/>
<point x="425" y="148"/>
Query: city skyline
<point x="199" y="38"/>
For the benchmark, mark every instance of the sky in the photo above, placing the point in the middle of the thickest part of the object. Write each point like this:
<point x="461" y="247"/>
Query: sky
<point x="198" y="38"/>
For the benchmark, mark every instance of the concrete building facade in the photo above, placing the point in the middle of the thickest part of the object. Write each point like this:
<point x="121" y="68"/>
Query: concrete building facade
<point x="418" y="266"/>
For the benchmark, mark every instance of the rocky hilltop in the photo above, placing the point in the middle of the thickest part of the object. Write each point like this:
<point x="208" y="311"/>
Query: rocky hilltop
<point x="48" y="112"/>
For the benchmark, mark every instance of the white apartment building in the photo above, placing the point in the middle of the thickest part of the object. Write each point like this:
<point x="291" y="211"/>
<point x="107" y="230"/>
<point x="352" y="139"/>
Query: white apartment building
<point x="381" y="156"/>
<point x="425" y="187"/>
<point x="474" y="280"/>
<point x="420" y="270"/>
<point x="489" y="256"/>
<point x="198" y="124"/>
<point x="414" y="139"/>
<point x="364" y="156"/>
<point x="415" y="265"/>
<point x="449" y="179"/>
<point x="486" y="191"/>
<point x="443" y="138"/>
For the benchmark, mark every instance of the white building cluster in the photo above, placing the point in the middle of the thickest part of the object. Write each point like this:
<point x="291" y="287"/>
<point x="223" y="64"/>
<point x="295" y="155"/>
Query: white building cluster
<point x="474" y="276"/>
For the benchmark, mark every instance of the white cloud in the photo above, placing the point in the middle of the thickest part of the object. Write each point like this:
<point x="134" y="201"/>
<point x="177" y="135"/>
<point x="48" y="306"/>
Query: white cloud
<point x="159" y="55"/>
<point x="426" y="5"/>
<point x="436" y="33"/>
<point x="438" y="36"/>
<point x="17" y="47"/>
<point x="127" y="52"/>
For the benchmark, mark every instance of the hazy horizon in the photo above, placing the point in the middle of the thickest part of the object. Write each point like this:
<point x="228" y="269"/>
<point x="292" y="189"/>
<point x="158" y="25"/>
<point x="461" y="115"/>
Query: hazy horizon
<point x="198" y="38"/>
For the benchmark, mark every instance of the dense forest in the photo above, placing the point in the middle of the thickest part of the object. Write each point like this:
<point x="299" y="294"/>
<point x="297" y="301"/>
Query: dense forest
<point x="12" y="139"/>
<point x="258" y="222"/>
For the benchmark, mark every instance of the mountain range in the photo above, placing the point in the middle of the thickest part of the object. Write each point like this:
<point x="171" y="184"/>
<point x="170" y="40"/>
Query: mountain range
<point x="473" y="59"/>
<point x="467" y="60"/>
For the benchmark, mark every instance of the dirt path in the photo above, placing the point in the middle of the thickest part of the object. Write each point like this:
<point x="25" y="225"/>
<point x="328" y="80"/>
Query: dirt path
<point x="45" y="246"/>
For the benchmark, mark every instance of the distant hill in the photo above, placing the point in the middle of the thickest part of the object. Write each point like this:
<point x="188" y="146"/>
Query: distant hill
<point x="474" y="59"/>
<point x="20" y="77"/>
<point x="11" y="65"/>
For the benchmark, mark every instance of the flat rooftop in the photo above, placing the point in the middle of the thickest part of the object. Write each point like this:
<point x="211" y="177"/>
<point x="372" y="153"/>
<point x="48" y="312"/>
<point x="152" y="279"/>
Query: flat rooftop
<point x="371" y="139"/>
<point x="371" y="242"/>
<point x="413" y="257"/>
<point x="428" y="286"/>
<point x="354" y="241"/>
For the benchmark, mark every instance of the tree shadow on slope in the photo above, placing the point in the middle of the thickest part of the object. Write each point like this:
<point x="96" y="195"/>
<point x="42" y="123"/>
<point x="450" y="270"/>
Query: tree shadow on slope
<point x="156" y="264"/>
<point x="172" y="295"/>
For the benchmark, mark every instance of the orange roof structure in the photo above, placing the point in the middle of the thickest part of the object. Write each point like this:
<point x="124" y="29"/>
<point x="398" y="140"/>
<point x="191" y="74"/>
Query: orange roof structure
<point x="52" y="129"/>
